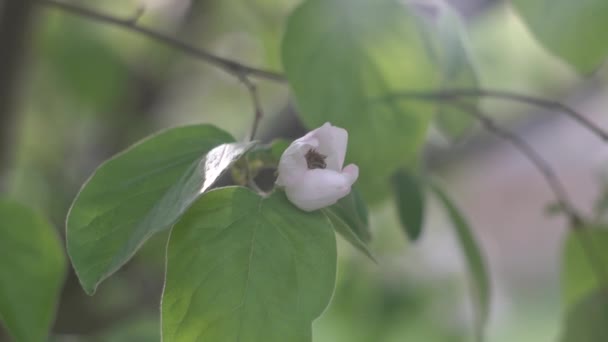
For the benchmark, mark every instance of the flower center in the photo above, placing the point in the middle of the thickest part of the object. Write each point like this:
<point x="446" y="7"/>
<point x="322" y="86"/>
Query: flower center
<point x="315" y="160"/>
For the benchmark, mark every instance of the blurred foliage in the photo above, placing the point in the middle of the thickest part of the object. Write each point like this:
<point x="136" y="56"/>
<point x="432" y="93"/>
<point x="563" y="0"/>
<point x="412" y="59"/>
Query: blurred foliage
<point x="569" y="29"/>
<point x="475" y="260"/>
<point x="409" y="197"/>
<point x="579" y="275"/>
<point x="91" y="90"/>
<point x="32" y="270"/>
<point x="586" y="321"/>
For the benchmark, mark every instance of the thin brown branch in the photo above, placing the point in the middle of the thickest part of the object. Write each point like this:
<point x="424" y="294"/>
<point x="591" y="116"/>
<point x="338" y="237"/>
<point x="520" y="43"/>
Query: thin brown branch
<point x="458" y="94"/>
<point x="257" y="106"/>
<point x="232" y="67"/>
<point x="554" y="183"/>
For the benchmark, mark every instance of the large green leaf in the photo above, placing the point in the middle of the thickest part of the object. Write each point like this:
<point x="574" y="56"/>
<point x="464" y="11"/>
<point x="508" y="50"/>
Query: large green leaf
<point x="587" y="321"/>
<point x="32" y="269"/>
<point x="474" y="259"/>
<point x="572" y="30"/>
<point x="409" y="195"/>
<point x="579" y="275"/>
<point x="245" y="268"/>
<point x="342" y="57"/>
<point x="140" y="192"/>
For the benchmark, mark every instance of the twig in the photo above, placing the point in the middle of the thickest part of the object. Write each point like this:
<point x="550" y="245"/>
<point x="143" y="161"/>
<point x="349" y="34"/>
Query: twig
<point x="242" y="71"/>
<point x="232" y="67"/>
<point x="457" y="94"/>
<point x="554" y="183"/>
<point x="257" y="106"/>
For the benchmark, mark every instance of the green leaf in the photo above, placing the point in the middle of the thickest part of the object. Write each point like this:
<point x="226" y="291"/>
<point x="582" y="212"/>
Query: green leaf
<point x="140" y="192"/>
<point x="578" y="277"/>
<point x="571" y="30"/>
<point x="350" y="219"/>
<point x="587" y="321"/>
<point x="342" y="58"/>
<point x="348" y="233"/>
<point x="353" y="211"/>
<point x="277" y="147"/>
<point x="409" y="195"/>
<point x="451" y="51"/>
<point x="32" y="269"/>
<point x="245" y="268"/>
<point x="474" y="260"/>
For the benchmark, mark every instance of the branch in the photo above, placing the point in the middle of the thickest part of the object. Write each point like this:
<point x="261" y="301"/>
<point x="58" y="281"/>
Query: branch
<point x="257" y="106"/>
<point x="458" y="94"/>
<point x="558" y="188"/>
<point x="242" y="72"/>
<point x="232" y="67"/>
<point x="554" y="183"/>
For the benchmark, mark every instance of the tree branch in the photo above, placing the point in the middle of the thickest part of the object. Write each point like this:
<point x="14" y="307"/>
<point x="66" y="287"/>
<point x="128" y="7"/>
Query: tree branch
<point x="458" y="94"/>
<point x="554" y="183"/>
<point x="257" y="106"/>
<point x="576" y="222"/>
<point x="232" y="67"/>
<point x="242" y="72"/>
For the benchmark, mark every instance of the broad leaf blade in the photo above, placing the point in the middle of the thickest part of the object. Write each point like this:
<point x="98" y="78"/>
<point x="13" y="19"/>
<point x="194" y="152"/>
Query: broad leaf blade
<point x="572" y="30"/>
<point x="244" y="268"/>
<point x="474" y="260"/>
<point x="342" y="58"/>
<point x="140" y="192"/>
<point x="32" y="270"/>
<point x="347" y="232"/>
<point x="579" y="278"/>
<point x="587" y="321"/>
<point x="409" y="195"/>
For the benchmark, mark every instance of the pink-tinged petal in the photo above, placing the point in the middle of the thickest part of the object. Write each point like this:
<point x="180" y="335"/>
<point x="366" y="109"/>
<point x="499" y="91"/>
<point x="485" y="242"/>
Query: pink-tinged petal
<point x="352" y="172"/>
<point x="318" y="188"/>
<point x="332" y="143"/>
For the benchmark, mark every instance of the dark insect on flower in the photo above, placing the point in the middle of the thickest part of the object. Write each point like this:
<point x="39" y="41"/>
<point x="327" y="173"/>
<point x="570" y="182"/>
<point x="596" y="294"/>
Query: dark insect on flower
<point x="315" y="160"/>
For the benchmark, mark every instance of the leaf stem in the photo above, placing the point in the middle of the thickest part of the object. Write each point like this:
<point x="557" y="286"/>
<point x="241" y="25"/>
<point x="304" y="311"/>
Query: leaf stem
<point x="257" y="106"/>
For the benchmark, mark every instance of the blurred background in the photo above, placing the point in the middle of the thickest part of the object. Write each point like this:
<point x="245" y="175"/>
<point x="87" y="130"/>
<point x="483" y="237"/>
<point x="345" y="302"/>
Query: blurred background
<point x="74" y="92"/>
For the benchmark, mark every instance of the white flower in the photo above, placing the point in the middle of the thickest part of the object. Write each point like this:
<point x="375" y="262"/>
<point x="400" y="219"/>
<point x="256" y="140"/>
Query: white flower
<point x="311" y="171"/>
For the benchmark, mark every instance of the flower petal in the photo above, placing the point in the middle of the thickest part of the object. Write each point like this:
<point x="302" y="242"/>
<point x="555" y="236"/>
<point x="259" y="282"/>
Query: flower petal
<point x="293" y="161"/>
<point x="319" y="188"/>
<point x="332" y="143"/>
<point x="352" y="171"/>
